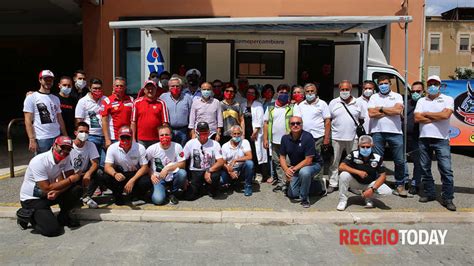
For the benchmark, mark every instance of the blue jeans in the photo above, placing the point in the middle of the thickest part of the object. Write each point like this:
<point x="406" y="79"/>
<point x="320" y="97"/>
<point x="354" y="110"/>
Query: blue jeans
<point x="99" y="142"/>
<point x="302" y="182"/>
<point x="414" y="150"/>
<point x="443" y="156"/>
<point x="180" y="136"/>
<point x="44" y="145"/>
<point x="245" y="171"/>
<point x="159" y="189"/>
<point x="395" y="141"/>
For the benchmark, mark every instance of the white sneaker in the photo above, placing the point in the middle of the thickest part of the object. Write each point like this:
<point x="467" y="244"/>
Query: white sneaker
<point x="90" y="202"/>
<point x="369" y="203"/>
<point x="341" y="205"/>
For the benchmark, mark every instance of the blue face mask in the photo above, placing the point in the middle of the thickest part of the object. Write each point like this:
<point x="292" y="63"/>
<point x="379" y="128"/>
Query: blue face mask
<point x="283" y="98"/>
<point x="66" y="90"/>
<point x="384" y="88"/>
<point x="433" y="90"/>
<point x="365" y="151"/>
<point x="236" y="139"/>
<point x="415" y="96"/>
<point x="310" y="97"/>
<point x="206" y="94"/>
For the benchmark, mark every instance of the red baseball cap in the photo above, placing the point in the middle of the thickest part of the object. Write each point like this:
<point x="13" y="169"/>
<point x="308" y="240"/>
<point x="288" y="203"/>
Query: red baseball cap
<point x="63" y="141"/>
<point x="125" y="131"/>
<point x="150" y="82"/>
<point x="46" y="73"/>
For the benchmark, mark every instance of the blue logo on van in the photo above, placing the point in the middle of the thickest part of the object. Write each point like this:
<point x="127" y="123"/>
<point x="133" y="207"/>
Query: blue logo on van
<point x="155" y="59"/>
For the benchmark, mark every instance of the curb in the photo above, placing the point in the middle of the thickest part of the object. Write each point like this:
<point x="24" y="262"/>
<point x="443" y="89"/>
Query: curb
<point x="18" y="172"/>
<point x="262" y="217"/>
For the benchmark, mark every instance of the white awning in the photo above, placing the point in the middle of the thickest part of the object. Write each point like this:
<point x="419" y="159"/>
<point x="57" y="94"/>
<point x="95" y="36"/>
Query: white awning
<point x="336" y="24"/>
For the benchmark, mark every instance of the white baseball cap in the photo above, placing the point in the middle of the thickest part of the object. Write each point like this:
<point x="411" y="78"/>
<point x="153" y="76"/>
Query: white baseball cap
<point x="434" y="77"/>
<point x="193" y="71"/>
<point x="46" y="73"/>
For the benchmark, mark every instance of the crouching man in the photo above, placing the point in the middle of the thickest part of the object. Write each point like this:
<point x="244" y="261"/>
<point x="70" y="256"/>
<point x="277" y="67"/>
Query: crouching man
<point x="50" y="180"/>
<point x="361" y="170"/>
<point x="167" y="168"/>
<point x="238" y="162"/>
<point x="305" y="162"/>
<point x="126" y="168"/>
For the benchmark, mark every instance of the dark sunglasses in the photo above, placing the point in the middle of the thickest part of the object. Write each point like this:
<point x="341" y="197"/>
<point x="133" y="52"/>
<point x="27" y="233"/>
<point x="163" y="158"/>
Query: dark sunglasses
<point x="295" y="123"/>
<point x="125" y="137"/>
<point x="365" y="147"/>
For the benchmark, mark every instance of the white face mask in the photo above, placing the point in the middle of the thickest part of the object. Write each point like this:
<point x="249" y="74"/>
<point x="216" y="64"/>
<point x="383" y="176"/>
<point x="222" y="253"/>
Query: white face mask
<point x="80" y="83"/>
<point x="367" y="93"/>
<point x="82" y="136"/>
<point x="345" y="94"/>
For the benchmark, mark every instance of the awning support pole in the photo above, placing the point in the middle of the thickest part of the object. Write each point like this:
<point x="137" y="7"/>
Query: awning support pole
<point x="405" y="122"/>
<point x="113" y="54"/>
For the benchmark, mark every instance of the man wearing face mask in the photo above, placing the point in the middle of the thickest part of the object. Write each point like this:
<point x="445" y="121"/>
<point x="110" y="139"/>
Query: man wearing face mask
<point x="43" y="119"/>
<point x="297" y="94"/>
<point x="167" y="170"/>
<point x="85" y="161"/>
<point x="343" y="128"/>
<point x="68" y="104"/>
<point x="368" y="89"/>
<point x="413" y="134"/>
<point x="316" y="118"/>
<point x="192" y="76"/>
<point x="205" y="163"/>
<point x="178" y="105"/>
<point x="385" y="110"/>
<point x="163" y="81"/>
<point x="148" y="114"/>
<point x="88" y="110"/>
<point x="432" y="112"/>
<point x="126" y="168"/>
<point x="362" y="169"/>
<point x="159" y="89"/>
<point x="238" y="163"/>
<point x="116" y="111"/>
<point x="206" y="109"/>
<point x="276" y="124"/>
<point x="50" y="180"/>
<point x="79" y="89"/>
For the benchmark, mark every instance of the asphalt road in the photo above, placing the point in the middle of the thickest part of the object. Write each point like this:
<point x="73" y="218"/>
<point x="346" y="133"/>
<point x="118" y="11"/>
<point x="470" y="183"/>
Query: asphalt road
<point x="124" y="243"/>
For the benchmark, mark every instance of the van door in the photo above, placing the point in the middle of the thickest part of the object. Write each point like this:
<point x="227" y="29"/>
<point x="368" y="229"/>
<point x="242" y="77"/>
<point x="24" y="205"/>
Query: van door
<point x="186" y="54"/>
<point x="220" y="60"/>
<point x="316" y="65"/>
<point x="348" y="64"/>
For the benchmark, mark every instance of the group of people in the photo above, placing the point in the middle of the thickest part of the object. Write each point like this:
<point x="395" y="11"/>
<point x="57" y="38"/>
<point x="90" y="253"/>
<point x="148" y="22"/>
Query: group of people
<point x="183" y="138"/>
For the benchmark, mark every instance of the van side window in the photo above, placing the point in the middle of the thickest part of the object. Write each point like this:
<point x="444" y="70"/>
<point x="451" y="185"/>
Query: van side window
<point x="397" y="84"/>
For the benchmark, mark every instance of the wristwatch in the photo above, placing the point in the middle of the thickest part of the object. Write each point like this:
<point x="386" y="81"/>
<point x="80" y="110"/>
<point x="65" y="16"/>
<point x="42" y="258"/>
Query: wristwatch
<point x="373" y="189"/>
<point x="381" y="110"/>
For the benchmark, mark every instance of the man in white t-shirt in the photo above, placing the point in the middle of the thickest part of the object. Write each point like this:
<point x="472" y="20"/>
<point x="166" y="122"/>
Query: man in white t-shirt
<point x="50" y="180"/>
<point x="238" y="162"/>
<point x="385" y="109"/>
<point x="343" y="129"/>
<point x="205" y="163"/>
<point x="85" y="161"/>
<point x="167" y="170"/>
<point x="368" y="89"/>
<point x="316" y="118"/>
<point x="126" y="168"/>
<point x="88" y="110"/>
<point x="276" y="125"/>
<point x="43" y="119"/>
<point x="432" y="113"/>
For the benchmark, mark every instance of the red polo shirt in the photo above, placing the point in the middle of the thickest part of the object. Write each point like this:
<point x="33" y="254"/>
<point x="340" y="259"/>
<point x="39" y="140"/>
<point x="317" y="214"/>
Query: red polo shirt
<point x="118" y="111"/>
<point x="149" y="115"/>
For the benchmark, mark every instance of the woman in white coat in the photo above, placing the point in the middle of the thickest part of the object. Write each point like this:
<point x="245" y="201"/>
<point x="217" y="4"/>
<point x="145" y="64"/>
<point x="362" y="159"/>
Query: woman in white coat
<point x="252" y="123"/>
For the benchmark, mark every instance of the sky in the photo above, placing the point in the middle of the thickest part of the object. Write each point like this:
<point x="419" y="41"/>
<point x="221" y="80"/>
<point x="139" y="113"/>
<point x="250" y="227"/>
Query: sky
<point x="436" y="7"/>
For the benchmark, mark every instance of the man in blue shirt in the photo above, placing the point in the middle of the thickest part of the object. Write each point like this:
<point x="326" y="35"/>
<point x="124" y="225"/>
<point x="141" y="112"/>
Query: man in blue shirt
<point x="179" y="106"/>
<point x="305" y="162"/>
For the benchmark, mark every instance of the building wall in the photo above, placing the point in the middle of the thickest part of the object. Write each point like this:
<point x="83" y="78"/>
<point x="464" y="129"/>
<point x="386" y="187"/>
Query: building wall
<point x="449" y="57"/>
<point x="98" y="36"/>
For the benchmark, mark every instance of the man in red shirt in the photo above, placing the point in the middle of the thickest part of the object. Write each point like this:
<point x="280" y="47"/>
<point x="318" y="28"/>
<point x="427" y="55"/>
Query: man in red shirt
<point x="116" y="111"/>
<point x="149" y="113"/>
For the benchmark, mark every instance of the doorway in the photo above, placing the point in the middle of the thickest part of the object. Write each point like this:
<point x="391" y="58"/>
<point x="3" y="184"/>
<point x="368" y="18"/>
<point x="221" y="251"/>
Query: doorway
<point x="186" y="54"/>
